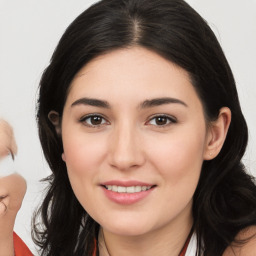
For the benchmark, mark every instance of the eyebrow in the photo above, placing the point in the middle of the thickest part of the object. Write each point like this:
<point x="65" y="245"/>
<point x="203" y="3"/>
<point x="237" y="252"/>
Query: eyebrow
<point x="161" y="101"/>
<point x="145" y="104"/>
<point x="91" y="102"/>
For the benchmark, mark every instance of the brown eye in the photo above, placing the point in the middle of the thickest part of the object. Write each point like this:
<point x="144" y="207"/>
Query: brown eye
<point x="161" y="120"/>
<point x="96" y="120"/>
<point x="93" y="120"/>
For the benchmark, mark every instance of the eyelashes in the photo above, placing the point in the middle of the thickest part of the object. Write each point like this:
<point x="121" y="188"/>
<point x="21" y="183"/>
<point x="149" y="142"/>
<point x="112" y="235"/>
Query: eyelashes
<point x="98" y="121"/>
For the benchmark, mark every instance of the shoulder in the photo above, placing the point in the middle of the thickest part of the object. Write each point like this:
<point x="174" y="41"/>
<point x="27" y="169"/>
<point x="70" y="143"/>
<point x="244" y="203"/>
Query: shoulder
<point x="248" y="248"/>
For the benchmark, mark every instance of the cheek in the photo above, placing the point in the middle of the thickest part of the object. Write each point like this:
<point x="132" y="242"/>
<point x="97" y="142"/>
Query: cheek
<point x="83" y="153"/>
<point x="179" y="157"/>
<point x="178" y="161"/>
<point x="83" y="157"/>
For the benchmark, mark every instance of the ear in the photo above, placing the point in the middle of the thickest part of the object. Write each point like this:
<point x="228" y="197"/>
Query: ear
<point x="216" y="134"/>
<point x="55" y="120"/>
<point x="63" y="157"/>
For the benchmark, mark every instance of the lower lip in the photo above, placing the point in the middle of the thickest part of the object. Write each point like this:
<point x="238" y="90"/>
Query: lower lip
<point x="126" y="198"/>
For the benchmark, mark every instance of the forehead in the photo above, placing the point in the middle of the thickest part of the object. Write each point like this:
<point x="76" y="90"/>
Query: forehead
<point x="136" y="72"/>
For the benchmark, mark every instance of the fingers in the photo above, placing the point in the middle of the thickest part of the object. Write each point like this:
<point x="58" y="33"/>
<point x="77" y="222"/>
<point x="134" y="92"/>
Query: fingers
<point x="7" y="140"/>
<point x="3" y="208"/>
<point x="12" y="192"/>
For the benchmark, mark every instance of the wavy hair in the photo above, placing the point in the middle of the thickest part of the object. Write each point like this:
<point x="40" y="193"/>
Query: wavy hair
<point x="225" y="199"/>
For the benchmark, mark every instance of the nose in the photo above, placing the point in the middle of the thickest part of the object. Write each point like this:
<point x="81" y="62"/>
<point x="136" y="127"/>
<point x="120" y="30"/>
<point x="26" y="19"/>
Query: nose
<point x="126" y="148"/>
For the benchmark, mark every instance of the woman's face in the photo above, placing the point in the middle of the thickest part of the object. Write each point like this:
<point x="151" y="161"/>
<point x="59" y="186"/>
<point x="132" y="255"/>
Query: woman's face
<point x="134" y="138"/>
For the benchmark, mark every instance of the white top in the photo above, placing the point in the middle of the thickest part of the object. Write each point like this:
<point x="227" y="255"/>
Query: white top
<point x="191" y="250"/>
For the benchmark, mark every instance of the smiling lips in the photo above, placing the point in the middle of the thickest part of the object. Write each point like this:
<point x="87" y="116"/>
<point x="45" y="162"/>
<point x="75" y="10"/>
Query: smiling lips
<point x="127" y="192"/>
<point x="131" y="189"/>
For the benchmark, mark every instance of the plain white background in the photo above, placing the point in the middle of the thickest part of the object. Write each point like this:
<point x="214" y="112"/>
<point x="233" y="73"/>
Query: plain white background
<point x="29" y="32"/>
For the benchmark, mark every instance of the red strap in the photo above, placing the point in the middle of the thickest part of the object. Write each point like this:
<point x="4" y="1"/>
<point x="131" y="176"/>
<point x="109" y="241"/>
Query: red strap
<point x="19" y="246"/>
<point x="95" y="247"/>
<point x="183" y="252"/>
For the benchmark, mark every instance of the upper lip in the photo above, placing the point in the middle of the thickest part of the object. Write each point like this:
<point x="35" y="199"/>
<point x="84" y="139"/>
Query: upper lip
<point x="127" y="183"/>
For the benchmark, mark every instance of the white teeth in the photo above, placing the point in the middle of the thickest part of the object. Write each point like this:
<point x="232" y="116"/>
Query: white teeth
<point x="138" y="189"/>
<point x="114" y="188"/>
<point x="132" y="189"/>
<point x="144" y="188"/>
<point x="121" y="189"/>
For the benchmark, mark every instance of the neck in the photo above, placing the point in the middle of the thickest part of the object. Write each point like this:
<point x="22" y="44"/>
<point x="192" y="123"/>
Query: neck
<point x="163" y="241"/>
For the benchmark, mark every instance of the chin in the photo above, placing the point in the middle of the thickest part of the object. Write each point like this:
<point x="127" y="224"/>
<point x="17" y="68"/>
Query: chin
<point x="127" y="228"/>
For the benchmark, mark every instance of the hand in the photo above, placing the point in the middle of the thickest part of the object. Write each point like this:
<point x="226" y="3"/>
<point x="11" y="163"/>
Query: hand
<point x="12" y="192"/>
<point x="12" y="187"/>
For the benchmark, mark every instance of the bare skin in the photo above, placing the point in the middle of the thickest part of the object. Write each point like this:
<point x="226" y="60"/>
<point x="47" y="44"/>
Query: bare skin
<point x="12" y="191"/>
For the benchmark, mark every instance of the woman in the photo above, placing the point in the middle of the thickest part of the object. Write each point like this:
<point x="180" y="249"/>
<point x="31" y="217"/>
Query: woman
<point x="112" y="52"/>
<point x="134" y="117"/>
